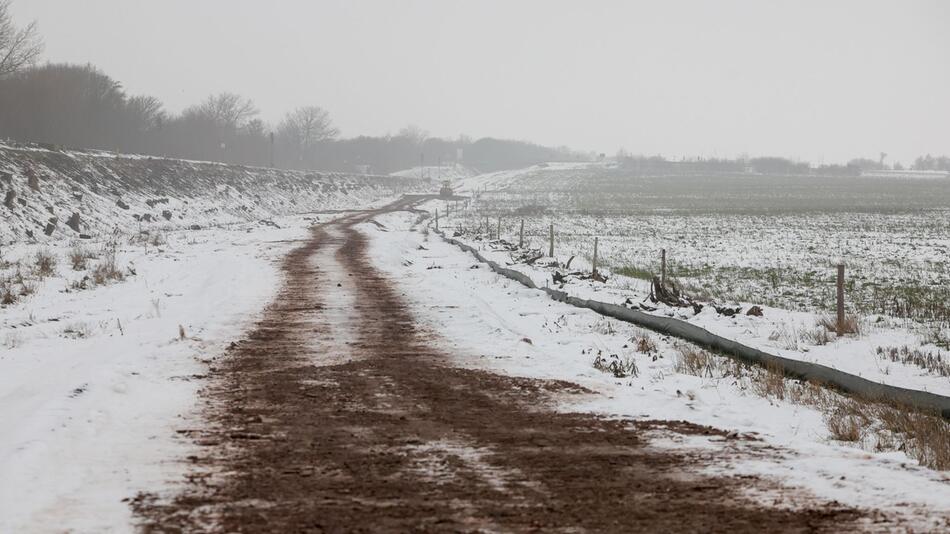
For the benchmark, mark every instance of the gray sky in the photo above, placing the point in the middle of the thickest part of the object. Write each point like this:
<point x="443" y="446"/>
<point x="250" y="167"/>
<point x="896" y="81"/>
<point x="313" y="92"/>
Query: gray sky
<point x="818" y="80"/>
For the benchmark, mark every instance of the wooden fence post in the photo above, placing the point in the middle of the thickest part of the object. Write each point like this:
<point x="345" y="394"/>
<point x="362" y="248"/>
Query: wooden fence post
<point x="521" y="235"/>
<point x="663" y="267"/>
<point x="498" y="235"/>
<point x="551" y="250"/>
<point x="437" y="219"/>
<point x="594" y="269"/>
<point x="841" y="319"/>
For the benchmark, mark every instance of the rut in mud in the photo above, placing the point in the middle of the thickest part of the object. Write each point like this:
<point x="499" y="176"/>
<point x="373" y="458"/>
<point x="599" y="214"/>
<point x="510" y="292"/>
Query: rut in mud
<point x="336" y="414"/>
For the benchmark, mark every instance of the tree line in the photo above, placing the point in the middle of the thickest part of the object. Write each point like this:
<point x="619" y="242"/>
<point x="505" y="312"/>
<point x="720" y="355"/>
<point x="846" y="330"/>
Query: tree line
<point x="79" y="106"/>
<point x="647" y="165"/>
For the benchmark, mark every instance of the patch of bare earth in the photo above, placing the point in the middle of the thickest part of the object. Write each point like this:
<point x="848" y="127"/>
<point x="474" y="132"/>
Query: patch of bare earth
<point x="382" y="433"/>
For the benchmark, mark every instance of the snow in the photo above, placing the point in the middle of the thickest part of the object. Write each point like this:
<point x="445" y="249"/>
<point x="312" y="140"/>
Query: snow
<point x="91" y="417"/>
<point x="111" y="191"/>
<point x="483" y="319"/>
<point x="96" y="383"/>
<point x="448" y="171"/>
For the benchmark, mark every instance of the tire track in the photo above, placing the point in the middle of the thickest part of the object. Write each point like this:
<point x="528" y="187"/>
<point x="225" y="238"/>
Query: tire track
<point x="308" y="432"/>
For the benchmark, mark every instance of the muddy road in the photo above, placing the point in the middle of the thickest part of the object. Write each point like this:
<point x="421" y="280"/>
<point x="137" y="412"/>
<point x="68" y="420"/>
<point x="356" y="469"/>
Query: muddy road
<point x="336" y="413"/>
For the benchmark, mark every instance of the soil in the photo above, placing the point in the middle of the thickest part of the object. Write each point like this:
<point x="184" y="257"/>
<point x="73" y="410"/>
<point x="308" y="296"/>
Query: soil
<point x="337" y="413"/>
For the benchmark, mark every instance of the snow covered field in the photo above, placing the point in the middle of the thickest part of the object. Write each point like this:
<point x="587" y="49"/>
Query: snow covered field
<point x="491" y="322"/>
<point x="97" y="384"/>
<point x="105" y="341"/>
<point x="731" y="255"/>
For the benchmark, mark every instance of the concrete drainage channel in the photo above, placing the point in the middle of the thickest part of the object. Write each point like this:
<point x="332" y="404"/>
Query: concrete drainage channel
<point x="796" y="369"/>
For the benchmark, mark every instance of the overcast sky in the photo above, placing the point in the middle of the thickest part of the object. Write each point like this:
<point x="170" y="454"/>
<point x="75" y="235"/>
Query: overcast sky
<point x="823" y="81"/>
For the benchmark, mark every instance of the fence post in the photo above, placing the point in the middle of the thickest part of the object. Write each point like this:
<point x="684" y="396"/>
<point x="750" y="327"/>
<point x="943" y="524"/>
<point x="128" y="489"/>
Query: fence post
<point x="521" y="235"/>
<point x="840" y="324"/>
<point x="551" y="250"/>
<point x="498" y="235"/>
<point x="663" y="267"/>
<point x="437" y="219"/>
<point x="594" y="269"/>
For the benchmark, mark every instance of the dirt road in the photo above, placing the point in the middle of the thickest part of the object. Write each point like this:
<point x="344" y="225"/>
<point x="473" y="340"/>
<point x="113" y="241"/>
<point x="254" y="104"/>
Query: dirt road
<point x="337" y="414"/>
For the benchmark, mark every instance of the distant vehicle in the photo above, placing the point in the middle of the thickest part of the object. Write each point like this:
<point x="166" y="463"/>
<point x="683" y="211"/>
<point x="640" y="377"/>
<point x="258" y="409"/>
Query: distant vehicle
<point x="446" y="190"/>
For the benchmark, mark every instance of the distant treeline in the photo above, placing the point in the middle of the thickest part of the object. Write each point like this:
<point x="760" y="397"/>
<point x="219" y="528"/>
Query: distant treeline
<point x="78" y="106"/>
<point x="652" y="165"/>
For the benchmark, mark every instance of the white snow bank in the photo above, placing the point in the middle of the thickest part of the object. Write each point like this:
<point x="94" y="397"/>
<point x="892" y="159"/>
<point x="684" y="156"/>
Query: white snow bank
<point x="94" y="384"/>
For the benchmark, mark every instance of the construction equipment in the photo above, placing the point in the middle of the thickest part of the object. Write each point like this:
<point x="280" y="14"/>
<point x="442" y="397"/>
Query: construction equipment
<point x="446" y="191"/>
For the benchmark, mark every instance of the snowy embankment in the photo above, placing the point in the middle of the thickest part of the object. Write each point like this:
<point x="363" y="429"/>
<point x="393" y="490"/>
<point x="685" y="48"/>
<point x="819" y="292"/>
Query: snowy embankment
<point x="488" y="321"/>
<point x="107" y="328"/>
<point x="48" y="195"/>
<point x="449" y="171"/>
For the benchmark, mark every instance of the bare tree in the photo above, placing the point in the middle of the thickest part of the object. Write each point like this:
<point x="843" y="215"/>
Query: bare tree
<point x="148" y="111"/>
<point x="416" y="135"/>
<point x="305" y="127"/>
<point x="19" y="47"/>
<point x="226" y="109"/>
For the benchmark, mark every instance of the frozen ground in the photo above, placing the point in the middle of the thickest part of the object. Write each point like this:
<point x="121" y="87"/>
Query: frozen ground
<point x="51" y="195"/>
<point x="742" y="242"/>
<point x="100" y="361"/>
<point x="97" y="386"/>
<point x="491" y="322"/>
<point x="98" y="381"/>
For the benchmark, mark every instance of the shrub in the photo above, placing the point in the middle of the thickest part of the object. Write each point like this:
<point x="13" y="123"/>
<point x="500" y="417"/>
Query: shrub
<point x="852" y="325"/>
<point x="7" y="296"/>
<point x="845" y="426"/>
<point x="44" y="263"/>
<point x="106" y="271"/>
<point x="694" y="361"/>
<point x="645" y="344"/>
<point x="78" y="258"/>
<point x="770" y="382"/>
<point x="617" y="367"/>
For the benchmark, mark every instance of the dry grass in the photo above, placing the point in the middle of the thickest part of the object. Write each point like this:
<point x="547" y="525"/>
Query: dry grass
<point x="695" y="361"/>
<point x="106" y="271"/>
<point x="875" y="424"/>
<point x="934" y="362"/>
<point x="845" y="426"/>
<point x="771" y="382"/>
<point x="619" y="368"/>
<point x="644" y="344"/>
<point x="15" y="286"/>
<point x="79" y="258"/>
<point x="852" y="324"/>
<point x="7" y="295"/>
<point x="44" y="264"/>
<point x="817" y="336"/>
